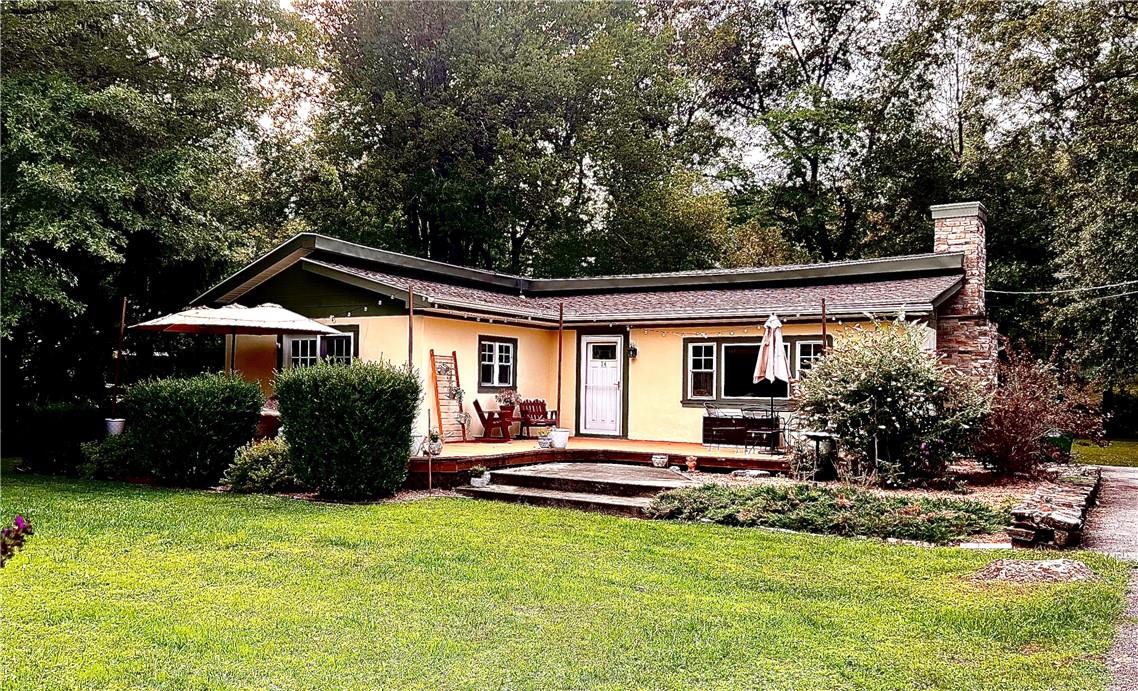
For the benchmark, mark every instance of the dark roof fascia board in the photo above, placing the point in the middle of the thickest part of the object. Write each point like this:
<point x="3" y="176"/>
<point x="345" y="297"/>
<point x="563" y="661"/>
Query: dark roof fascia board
<point x="868" y="269"/>
<point x="258" y="271"/>
<point x="948" y="292"/>
<point x="417" y="264"/>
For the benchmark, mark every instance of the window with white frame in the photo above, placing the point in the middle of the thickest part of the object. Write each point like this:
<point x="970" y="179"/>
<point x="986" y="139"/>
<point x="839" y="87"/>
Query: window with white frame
<point x="701" y="371"/>
<point x="303" y="351"/>
<point x="306" y="351"/>
<point x="809" y="352"/>
<point x="497" y="362"/>
<point x="338" y="349"/>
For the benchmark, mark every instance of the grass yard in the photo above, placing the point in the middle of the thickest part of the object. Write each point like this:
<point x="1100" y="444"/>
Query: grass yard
<point x="1120" y="452"/>
<point x="130" y="587"/>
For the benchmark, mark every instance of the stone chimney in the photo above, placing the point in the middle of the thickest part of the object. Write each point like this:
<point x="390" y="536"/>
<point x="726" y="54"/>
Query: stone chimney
<point x="965" y="337"/>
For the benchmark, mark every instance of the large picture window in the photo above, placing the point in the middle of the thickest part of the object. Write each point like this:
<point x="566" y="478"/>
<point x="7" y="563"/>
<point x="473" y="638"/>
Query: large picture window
<point x="497" y="363"/>
<point x="722" y="369"/>
<point x="739" y="373"/>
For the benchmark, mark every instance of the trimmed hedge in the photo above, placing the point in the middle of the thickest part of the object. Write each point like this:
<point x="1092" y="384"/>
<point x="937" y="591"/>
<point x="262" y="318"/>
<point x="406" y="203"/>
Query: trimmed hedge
<point x="187" y="430"/>
<point x="844" y="511"/>
<point x="54" y="432"/>
<point x="349" y="426"/>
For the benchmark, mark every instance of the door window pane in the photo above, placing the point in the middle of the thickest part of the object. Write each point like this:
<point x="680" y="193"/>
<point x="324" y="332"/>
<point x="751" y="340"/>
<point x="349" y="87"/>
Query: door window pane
<point x="604" y="351"/>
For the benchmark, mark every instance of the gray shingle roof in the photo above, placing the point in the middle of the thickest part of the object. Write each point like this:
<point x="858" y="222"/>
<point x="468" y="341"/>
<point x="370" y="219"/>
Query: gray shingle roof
<point x="884" y="296"/>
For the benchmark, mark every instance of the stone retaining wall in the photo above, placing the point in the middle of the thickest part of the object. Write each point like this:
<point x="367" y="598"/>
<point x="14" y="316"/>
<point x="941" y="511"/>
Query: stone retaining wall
<point x="1053" y="516"/>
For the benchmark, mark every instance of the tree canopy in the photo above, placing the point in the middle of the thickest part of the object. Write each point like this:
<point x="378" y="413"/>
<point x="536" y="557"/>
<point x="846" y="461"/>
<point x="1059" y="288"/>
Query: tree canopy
<point x="150" y="147"/>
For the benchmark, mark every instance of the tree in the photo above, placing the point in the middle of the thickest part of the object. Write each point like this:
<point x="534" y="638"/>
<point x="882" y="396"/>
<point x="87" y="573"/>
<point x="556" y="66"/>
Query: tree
<point x="120" y="124"/>
<point x="522" y="140"/>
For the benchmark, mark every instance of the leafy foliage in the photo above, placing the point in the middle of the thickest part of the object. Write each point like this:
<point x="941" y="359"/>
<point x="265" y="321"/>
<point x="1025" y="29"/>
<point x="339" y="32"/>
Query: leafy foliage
<point x="1031" y="401"/>
<point x="120" y="132"/>
<point x="837" y="511"/>
<point x="262" y="466"/>
<point x="899" y="415"/>
<point x="186" y="431"/>
<point x="54" y="433"/>
<point x="111" y="458"/>
<point x="349" y="426"/>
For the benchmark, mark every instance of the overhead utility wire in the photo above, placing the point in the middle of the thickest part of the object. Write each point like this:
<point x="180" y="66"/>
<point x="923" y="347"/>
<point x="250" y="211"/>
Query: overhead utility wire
<point x="1064" y="290"/>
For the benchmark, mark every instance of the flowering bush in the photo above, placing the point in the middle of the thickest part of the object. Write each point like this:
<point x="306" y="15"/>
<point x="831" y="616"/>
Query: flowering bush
<point x="1031" y="402"/>
<point x="262" y="466"/>
<point x="506" y="398"/>
<point x="898" y="413"/>
<point x="13" y="537"/>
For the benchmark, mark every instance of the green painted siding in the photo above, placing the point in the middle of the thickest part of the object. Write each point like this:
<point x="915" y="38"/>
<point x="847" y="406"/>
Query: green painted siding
<point x="317" y="297"/>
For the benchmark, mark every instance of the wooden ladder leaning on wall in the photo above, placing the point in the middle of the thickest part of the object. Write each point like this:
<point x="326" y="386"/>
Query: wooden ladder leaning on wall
<point x="444" y="372"/>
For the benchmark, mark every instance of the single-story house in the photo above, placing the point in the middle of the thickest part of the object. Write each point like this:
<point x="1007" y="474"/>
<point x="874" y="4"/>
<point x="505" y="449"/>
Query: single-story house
<point x="640" y="354"/>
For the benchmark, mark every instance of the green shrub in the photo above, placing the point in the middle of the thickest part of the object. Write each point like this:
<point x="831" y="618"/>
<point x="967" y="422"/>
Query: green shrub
<point x="349" y="426"/>
<point x="846" y="511"/>
<point x="112" y="458"/>
<point x="898" y="413"/>
<point x="54" y="432"/>
<point x="262" y="466"/>
<point x="187" y="430"/>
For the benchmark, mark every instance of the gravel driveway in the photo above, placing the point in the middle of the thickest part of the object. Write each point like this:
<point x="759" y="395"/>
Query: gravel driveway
<point x="1112" y="528"/>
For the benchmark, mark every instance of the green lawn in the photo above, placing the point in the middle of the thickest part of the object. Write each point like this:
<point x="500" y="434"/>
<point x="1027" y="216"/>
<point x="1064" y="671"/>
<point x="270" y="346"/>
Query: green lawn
<point x="128" y="587"/>
<point x="1120" y="452"/>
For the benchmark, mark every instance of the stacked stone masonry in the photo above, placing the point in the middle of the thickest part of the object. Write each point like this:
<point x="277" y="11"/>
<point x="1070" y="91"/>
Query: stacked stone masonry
<point x="1054" y="515"/>
<point x="965" y="337"/>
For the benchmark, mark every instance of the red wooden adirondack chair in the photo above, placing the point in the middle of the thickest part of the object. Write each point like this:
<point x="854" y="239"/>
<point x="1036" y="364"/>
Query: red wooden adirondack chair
<point x="492" y="421"/>
<point x="534" y="414"/>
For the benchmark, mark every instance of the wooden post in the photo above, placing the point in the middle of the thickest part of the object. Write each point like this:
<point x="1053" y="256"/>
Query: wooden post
<point x="560" y="341"/>
<point x="410" y="327"/>
<point x="824" y="343"/>
<point x="233" y="351"/>
<point x="118" y="361"/>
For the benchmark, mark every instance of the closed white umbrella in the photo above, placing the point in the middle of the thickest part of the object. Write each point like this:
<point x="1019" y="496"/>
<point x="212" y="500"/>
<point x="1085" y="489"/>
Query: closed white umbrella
<point x="772" y="364"/>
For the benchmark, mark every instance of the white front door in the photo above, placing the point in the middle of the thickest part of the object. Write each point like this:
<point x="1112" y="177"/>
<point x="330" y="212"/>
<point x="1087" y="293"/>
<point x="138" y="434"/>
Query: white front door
<point x="602" y="388"/>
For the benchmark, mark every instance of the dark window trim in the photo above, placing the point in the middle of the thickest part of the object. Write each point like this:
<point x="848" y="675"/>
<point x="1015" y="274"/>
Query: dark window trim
<point x="491" y="388"/>
<point x="720" y="341"/>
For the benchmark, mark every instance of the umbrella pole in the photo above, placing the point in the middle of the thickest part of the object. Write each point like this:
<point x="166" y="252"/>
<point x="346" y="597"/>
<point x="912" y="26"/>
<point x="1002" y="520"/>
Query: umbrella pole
<point x="118" y="361"/>
<point x="560" y="336"/>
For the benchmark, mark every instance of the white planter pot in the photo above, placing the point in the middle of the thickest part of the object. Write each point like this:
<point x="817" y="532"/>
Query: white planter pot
<point x="114" y="425"/>
<point x="560" y="437"/>
<point x="483" y="481"/>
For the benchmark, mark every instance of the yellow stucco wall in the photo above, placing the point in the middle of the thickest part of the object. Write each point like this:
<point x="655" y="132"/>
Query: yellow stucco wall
<point x="655" y="377"/>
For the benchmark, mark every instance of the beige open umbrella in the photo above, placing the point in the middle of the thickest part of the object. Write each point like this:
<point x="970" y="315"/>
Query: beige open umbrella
<point x="232" y="320"/>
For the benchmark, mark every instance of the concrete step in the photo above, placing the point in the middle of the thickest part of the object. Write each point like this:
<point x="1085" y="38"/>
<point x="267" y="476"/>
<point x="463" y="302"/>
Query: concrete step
<point x="612" y="479"/>
<point x="603" y="503"/>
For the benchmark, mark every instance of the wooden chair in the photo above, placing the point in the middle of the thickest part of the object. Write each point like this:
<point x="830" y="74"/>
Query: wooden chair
<point x="492" y="421"/>
<point x="534" y="414"/>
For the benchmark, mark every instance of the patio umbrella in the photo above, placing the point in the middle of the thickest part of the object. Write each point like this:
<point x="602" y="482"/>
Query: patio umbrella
<point x="772" y="364"/>
<point x="232" y="320"/>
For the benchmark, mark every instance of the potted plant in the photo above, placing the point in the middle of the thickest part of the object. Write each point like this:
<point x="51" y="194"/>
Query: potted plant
<point x="456" y="393"/>
<point x="559" y="437"/>
<point x="544" y="438"/>
<point x="434" y="443"/>
<point x="507" y="400"/>
<point x="479" y="476"/>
